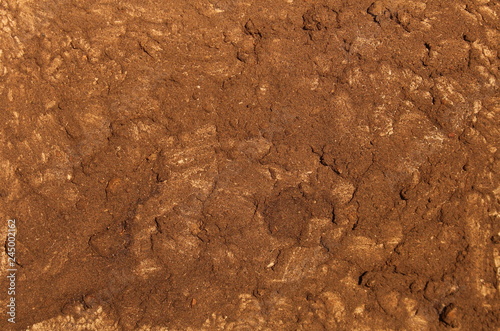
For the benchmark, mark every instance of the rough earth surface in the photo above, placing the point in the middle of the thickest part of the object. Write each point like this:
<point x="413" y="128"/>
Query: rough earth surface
<point x="251" y="165"/>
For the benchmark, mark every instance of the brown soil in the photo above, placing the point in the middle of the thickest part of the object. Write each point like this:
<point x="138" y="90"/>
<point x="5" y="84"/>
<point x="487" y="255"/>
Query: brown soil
<point x="251" y="165"/>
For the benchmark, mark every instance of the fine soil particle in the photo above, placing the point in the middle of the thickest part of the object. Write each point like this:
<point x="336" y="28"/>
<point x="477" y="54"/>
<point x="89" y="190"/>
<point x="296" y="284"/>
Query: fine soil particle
<point x="251" y="165"/>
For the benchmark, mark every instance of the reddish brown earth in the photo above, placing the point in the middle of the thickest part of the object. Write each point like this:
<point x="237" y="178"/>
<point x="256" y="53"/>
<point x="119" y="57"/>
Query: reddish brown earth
<point x="251" y="165"/>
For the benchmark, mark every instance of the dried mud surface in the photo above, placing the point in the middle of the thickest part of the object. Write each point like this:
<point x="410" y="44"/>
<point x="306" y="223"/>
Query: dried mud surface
<point x="252" y="165"/>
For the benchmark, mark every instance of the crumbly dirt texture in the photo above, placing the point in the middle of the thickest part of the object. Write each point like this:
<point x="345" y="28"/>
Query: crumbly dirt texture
<point x="251" y="165"/>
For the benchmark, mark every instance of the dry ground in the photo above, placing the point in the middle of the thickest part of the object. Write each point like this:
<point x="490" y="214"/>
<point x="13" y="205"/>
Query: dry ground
<point x="251" y="165"/>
